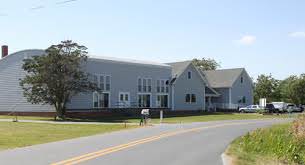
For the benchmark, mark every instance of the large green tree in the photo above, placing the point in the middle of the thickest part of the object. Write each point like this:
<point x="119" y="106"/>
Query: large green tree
<point x="293" y="89"/>
<point x="56" y="76"/>
<point x="267" y="87"/>
<point x="206" y="63"/>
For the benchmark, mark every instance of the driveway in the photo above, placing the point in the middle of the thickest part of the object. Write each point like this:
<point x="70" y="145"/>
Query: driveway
<point x="170" y="144"/>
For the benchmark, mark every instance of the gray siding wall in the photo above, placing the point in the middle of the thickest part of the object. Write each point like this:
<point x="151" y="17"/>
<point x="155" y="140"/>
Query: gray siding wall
<point x="11" y="94"/>
<point x="242" y="89"/>
<point x="184" y="86"/>
<point x="124" y="78"/>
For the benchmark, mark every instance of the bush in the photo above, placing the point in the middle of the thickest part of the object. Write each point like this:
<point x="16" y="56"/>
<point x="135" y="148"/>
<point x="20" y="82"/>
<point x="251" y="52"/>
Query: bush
<point x="261" y="111"/>
<point x="298" y="128"/>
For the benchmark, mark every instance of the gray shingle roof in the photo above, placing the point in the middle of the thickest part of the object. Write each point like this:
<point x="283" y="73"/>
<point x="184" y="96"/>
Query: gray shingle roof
<point x="223" y="78"/>
<point x="131" y="61"/>
<point x="179" y="67"/>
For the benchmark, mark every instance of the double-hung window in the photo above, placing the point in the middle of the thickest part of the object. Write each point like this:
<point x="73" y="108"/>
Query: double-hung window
<point x="101" y="98"/>
<point x="162" y="86"/>
<point x="162" y="100"/>
<point x="190" y="98"/>
<point x="144" y="85"/>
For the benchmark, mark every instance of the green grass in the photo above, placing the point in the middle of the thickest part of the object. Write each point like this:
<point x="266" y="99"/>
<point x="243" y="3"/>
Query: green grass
<point x="202" y="117"/>
<point x="28" y="118"/>
<point x="18" y="134"/>
<point x="275" y="145"/>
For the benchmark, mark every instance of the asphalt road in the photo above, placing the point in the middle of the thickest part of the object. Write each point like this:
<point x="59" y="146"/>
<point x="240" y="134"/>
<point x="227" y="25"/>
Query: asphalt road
<point x="168" y="144"/>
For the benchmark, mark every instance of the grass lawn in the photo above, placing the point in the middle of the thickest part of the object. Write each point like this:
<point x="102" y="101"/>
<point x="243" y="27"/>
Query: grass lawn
<point x="27" y="118"/>
<point x="203" y="117"/>
<point x="275" y="145"/>
<point x="18" y="134"/>
<point x="216" y="117"/>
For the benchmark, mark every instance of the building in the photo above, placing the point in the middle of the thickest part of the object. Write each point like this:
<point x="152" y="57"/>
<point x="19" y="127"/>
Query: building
<point x="135" y="84"/>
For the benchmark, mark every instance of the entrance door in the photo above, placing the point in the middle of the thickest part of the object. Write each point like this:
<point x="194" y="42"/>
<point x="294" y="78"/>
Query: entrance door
<point x="124" y="99"/>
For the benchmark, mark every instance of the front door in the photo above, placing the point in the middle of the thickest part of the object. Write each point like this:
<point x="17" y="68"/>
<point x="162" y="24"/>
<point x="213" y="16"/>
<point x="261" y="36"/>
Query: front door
<point x="124" y="99"/>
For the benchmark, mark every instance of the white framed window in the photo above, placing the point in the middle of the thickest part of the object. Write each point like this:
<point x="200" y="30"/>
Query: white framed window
<point x="101" y="100"/>
<point x="144" y="100"/>
<point x="107" y="83"/>
<point x="95" y="100"/>
<point x="102" y="81"/>
<point x="190" y="98"/>
<point x="162" y="100"/>
<point x="158" y="86"/>
<point x="162" y="86"/>
<point x="144" y="84"/>
<point x="149" y="85"/>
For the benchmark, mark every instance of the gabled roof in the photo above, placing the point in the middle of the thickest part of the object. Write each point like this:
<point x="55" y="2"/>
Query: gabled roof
<point x="179" y="67"/>
<point x="223" y="78"/>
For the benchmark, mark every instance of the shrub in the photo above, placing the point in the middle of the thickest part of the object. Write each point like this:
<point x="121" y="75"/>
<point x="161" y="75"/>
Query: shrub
<point x="298" y="128"/>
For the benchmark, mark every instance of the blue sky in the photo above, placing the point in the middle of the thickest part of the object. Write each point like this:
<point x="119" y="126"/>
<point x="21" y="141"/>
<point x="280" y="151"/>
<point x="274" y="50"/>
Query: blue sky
<point x="262" y="36"/>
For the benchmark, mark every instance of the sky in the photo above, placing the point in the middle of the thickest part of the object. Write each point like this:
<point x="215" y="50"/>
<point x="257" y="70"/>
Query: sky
<point x="265" y="37"/>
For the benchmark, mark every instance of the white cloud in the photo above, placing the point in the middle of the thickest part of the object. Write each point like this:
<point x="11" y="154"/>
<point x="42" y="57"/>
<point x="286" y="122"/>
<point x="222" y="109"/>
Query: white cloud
<point x="247" y="40"/>
<point x="297" y="34"/>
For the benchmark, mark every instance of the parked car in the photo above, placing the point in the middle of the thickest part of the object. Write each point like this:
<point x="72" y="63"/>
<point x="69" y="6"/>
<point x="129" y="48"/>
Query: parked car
<point x="293" y="108"/>
<point x="250" y="109"/>
<point x="271" y="108"/>
<point x="281" y="106"/>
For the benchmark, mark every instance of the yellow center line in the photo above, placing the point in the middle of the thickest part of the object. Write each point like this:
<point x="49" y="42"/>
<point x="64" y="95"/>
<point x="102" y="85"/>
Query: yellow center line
<point x="109" y="150"/>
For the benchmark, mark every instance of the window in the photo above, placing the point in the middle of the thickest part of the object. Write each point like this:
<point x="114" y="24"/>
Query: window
<point x="107" y="83"/>
<point x="162" y="86"/>
<point x="100" y="100"/>
<point x="193" y="98"/>
<point x="158" y="86"/>
<point x="189" y="74"/>
<point x="144" y="100"/>
<point x="149" y="85"/>
<point x="190" y="98"/>
<point x="102" y="81"/>
<point x="95" y="80"/>
<point x="104" y="100"/>
<point x="241" y="79"/>
<point x="95" y="100"/>
<point x="144" y="85"/>
<point x="187" y="98"/>
<point x="102" y="84"/>
<point x="162" y="101"/>
<point x="139" y="85"/>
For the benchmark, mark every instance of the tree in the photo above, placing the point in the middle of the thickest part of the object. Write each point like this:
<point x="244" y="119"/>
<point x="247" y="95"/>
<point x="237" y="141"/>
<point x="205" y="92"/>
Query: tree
<point x="286" y="89"/>
<point x="56" y="76"/>
<point x="206" y="63"/>
<point x="267" y="87"/>
<point x="293" y="89"/>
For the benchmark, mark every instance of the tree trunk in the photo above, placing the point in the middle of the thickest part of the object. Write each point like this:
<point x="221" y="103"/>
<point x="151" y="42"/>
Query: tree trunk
<point x="60" y="111"/>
